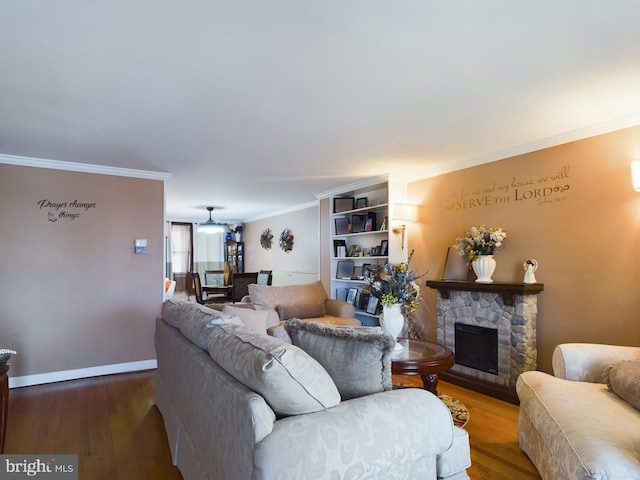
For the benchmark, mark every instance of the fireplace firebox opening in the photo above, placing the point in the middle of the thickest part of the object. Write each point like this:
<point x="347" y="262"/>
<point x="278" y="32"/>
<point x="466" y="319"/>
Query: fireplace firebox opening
<point x="477" y="347"/>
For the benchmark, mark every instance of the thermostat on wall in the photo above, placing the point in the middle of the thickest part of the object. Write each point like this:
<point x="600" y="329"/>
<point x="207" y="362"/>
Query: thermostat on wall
<point x="141" y="245"/>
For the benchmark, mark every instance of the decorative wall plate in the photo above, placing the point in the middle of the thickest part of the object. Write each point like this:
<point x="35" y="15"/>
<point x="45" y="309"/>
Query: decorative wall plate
<point x="286" y="240"/>
<point x="265" y="239"/>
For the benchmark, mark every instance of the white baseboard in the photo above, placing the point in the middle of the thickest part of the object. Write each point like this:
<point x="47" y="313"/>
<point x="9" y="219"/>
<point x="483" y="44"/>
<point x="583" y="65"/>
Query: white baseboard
<point x="51" y="377"/>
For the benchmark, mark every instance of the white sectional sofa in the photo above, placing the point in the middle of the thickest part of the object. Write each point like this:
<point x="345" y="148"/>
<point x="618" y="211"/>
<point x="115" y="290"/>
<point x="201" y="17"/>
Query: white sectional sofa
<point x="241" y="405"/>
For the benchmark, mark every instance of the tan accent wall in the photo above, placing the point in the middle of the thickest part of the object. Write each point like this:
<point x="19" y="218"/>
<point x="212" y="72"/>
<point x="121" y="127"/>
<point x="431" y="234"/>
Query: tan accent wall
<point x="73" y="293"/>
<point x="570" y="207"/>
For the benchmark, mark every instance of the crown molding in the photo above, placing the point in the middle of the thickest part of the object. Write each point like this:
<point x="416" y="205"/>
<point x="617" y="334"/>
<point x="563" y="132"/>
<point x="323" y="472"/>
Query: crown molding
<point x="367" y="182"/>
<point x="575" y="135"/>
<point x="81" y="167"/>
<point x="284" y="211"/>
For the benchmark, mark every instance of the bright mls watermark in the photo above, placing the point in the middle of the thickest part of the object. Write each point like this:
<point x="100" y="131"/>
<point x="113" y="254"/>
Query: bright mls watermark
<point x="50" y="467"/>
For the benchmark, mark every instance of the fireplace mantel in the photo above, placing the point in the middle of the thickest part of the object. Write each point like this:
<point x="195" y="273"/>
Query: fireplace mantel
<point x="508" y="291"/>
<point x="508" y="308"/>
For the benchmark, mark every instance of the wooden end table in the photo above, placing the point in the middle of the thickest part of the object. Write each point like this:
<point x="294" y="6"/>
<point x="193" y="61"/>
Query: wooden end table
<point x="422" y="358"/>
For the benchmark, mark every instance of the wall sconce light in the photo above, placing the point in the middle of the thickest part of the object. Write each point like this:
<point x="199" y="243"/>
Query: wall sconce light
<point x="635" y="175"/>
<point x="404" y="212"/>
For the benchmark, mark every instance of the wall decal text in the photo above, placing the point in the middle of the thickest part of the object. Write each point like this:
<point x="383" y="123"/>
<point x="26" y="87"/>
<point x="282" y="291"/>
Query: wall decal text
<point x="541" y="189"/>
<point x="64" y="210"/>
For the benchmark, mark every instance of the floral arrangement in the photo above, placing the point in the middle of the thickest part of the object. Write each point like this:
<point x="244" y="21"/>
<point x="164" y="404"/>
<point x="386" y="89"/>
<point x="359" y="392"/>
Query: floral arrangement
<point x="395" y="283"/>
<point x="480" y="241"/>
<point x="236" y="228"/>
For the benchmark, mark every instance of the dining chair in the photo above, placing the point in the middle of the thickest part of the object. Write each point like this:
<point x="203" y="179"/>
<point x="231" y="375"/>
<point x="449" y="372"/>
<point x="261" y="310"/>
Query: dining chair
<point x="265" y="277"/>
<point x="214" y="278"/>
<point x="197" y="284"/>
<point x="240" y="284"/>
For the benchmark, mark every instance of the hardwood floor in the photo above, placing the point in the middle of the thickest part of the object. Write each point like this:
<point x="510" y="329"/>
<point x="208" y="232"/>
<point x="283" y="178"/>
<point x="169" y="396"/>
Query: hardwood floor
<point x="118" y="434"/>
<point x="493" y="435"/>
<point x="110" y="422"/>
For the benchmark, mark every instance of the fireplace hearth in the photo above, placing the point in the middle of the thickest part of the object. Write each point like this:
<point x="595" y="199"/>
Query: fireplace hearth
<point x="491" y="328"/>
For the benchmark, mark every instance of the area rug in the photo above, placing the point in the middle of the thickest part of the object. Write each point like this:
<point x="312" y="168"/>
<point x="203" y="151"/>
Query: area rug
<point x="459" y="412"/>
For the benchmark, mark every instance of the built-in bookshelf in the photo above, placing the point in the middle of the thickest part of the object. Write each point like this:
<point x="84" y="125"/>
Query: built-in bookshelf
<point x="359" y="244"/>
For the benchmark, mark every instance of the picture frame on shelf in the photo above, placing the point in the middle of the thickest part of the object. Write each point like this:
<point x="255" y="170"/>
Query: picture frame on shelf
<point x="384" y="248"/>
<point x="455" y="268"/>
<point x="344" y="269"/>
<point x="341" y="294"/>
<point x="342" y="204"/>
<point x="353" y="250"/>
<point x="352" y="294"/>
<point x="339" y="248"/>
<point x="362" y="202"/>
<point x="342" y="226"/>
<point x="372" y="305"/>
<point x="375" y="251"/>
<point x="357" y="273"/>
<point x="366" y="270"/>
<point x="368" y="224"/>
<point x="357" y="223"/>
<point x="383" y="225"/>
<point x="363" y="301"/>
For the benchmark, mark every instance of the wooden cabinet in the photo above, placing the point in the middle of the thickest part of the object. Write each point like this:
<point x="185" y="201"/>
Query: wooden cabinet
<point x="234" y="255"/>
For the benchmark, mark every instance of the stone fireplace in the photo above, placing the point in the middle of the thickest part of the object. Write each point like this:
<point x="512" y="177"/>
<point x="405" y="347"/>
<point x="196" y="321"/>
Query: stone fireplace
<point x="506" y="312"/>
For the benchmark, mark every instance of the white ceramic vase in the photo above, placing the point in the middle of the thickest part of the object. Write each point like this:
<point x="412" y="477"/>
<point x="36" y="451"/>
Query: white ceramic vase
<point x="392" y="321"/>
<point x="238" y="237"/>
<point x="484" y="266"/>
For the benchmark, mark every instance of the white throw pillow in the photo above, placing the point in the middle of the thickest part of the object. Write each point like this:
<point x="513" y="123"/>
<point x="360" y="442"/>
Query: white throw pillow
<point x="254" y="319"/>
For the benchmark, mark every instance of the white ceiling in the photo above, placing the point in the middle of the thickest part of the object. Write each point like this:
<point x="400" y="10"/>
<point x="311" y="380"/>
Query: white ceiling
<point x="255" y="106"/>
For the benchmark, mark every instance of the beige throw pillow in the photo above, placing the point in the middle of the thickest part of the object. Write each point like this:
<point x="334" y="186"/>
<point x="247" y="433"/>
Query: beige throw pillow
<point x="624" y="381"/>
<point x="195" y="320"/>
<point x="357" y="358"/>
<point x="301" y="310"/>
<point x="290" y="381"/>
<point x="270" y="296"/>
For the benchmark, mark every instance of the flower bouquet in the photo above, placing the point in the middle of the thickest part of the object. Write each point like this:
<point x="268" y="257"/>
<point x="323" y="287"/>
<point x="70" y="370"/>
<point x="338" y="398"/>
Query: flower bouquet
<point x="480" y="241"/>
<point x="395" y="283"/>
<point x="236" y="231"/>
<point x="478" y="246"/>
<point x="236" y="228"/>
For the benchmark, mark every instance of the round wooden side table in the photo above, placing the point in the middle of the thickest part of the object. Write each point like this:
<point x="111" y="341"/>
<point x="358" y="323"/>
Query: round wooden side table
<point x="422" y="358"/>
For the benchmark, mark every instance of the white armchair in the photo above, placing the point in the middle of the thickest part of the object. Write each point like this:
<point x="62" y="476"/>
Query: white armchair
<point x="570" y="425"/>
<point x="585" y="362"/>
